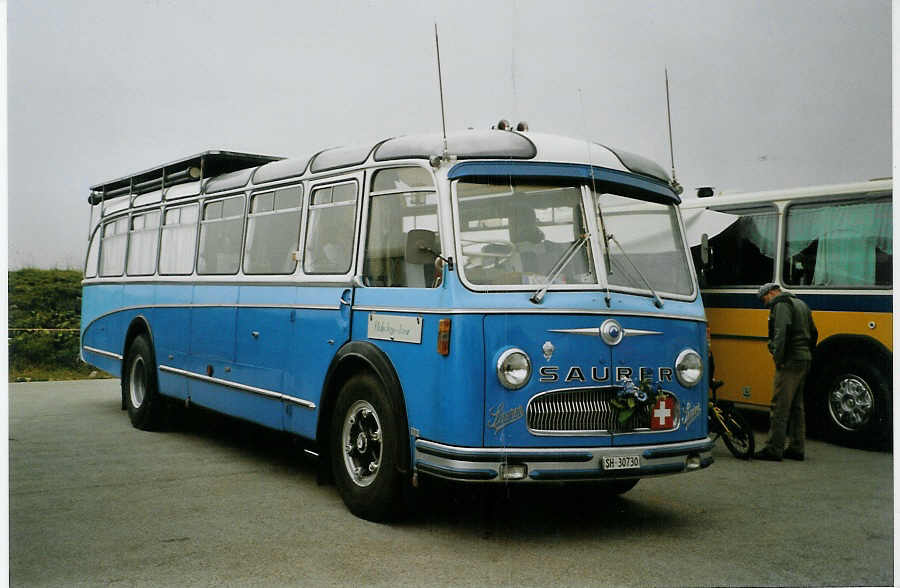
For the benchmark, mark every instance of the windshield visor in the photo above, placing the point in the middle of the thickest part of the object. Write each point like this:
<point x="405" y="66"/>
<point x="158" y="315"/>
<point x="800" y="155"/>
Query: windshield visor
<point x="514" y="233"/>
<point x="644" y="245"/>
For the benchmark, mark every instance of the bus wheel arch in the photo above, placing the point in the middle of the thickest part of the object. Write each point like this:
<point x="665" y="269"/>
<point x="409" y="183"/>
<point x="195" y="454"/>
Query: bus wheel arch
<point x="361" y="357"/>
<point x="849" y="389"/>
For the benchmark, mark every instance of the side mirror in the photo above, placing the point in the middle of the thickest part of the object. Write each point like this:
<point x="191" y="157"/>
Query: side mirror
<point x="420" y="247"/>
<point x="704" y="250"/>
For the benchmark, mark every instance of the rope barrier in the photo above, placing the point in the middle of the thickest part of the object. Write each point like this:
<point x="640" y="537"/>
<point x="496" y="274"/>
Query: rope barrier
<point x="44" y="330"/>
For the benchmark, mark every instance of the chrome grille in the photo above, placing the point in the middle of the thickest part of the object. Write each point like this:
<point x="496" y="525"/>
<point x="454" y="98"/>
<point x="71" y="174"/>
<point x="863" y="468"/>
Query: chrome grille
<point x="582" y="410"/>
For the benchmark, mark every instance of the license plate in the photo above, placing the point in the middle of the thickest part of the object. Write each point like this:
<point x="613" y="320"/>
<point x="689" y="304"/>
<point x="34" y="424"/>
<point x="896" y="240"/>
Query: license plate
<point x="621" y="462"/>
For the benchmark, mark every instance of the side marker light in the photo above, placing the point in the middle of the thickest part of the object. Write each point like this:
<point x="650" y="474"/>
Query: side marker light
<point x="443" y="340"/>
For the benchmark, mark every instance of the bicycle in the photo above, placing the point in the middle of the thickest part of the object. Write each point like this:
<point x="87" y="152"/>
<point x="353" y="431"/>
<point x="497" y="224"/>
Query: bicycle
<point x="728" y="422"/>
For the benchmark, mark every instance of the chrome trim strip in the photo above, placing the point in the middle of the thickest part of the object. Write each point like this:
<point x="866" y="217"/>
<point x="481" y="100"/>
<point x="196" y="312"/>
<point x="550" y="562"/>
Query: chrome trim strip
<point x="639" y="332"/>
<point x="581" y="311"/>
<point x="669" y="451"/>
<point x="501" y="453"/>
<point x="596" y="332"/>
<point x="593" y="332"/>
<point x="102" y="352"/>
<point x="481" y="475"/>
<point x="490" y="455"/>
<point x="237" y="386"/>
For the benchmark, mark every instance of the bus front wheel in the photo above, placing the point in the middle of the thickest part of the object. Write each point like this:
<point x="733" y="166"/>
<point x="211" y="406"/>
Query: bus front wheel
<point x="855" y="406"/>
<point x="364" y="438"/>
<point x="139" y="386"/>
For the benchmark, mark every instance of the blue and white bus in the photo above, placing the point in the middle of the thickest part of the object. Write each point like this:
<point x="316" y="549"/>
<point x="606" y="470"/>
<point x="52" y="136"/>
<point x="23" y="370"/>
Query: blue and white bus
<point x="490" y="306"/>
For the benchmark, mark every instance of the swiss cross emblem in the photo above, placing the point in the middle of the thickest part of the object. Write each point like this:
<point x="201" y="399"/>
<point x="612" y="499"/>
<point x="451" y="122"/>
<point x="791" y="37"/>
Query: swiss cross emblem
<point x="663" y="414"/>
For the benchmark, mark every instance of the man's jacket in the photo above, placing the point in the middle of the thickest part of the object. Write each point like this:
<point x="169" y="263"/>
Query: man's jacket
<point x="792" y="332"/>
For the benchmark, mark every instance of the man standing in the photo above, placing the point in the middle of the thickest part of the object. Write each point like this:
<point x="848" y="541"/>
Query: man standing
<point x="792" y="337"/>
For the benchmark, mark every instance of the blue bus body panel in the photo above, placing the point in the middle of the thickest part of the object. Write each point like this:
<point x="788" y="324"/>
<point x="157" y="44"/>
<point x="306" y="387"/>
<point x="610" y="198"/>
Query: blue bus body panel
<point x="213" y="315"/>
<point x="444" y="394"/>
<point x="321" y="325"/>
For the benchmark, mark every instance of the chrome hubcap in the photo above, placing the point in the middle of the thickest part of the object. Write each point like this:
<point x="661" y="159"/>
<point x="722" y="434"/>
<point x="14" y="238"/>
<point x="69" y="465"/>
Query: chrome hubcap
<point x="361" y="439"/>
<point x="851" y="402"/>
<point x="136" y="384"/>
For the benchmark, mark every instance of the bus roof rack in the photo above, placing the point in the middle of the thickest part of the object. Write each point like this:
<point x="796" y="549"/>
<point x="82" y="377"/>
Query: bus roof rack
<point x="189" y="169"/>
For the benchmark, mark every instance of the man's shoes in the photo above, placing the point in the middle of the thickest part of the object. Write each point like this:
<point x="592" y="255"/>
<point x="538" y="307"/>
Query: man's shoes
<point x="766" y="455"/>
<point x="794" y="454"/>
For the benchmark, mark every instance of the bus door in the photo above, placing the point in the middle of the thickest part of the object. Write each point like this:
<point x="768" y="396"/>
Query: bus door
<point x="399" y="281"/>
<point x="320" y="321"/>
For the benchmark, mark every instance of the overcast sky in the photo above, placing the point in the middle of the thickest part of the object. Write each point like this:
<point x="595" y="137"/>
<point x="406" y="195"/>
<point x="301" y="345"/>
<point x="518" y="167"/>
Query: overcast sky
<point x="765" y="94"/>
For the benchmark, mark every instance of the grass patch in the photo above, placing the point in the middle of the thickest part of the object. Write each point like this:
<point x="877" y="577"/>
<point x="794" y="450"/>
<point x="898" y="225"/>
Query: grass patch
<point x="44" y="318"/>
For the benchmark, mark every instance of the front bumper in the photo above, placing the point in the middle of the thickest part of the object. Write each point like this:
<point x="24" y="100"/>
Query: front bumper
<point x="544" y="465"/>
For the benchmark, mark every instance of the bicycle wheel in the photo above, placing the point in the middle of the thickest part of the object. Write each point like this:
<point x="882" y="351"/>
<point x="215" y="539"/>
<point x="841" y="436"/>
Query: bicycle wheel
<point x="738" y="436"/>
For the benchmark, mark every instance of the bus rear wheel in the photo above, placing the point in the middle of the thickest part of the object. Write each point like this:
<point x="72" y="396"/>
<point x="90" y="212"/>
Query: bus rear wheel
<point x="139" y="386"/>
<point x="855" y="406"/>
<point x="363" y="448"/>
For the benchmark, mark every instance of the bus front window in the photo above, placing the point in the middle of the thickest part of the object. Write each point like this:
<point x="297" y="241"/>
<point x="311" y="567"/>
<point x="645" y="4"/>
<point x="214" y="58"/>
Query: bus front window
<point x="647" y="249"/>
<point x="514" y="233"/>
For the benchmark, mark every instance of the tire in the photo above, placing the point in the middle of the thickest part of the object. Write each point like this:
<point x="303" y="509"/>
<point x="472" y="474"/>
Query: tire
<point x="139" y="386"/>
<point x="365" y="438"/>
<point x="854" y="405"/>
<point x="739" y="436"/>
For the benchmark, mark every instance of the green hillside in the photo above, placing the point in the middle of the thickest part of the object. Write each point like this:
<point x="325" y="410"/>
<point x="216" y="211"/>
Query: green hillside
<point x="44" y="314"/>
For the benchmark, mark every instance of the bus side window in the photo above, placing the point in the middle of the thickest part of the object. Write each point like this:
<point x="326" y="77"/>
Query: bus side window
<point x="112" y="247"/>
<point x="273" y="230"/>
<point x="839" y="244"/>
<point x="402" y="199"/>
<point x="178" y="241"/>
<point x="330" y="229"/>
<point x="90" y="266"/>
<point x="143" y="241"/>
<point x="220" y="236"/>
<point x="743" y="254"/>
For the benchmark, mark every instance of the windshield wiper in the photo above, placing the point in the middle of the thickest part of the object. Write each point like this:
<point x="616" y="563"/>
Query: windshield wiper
<point x="559" y="266"/>
<point x="656" y="299"/>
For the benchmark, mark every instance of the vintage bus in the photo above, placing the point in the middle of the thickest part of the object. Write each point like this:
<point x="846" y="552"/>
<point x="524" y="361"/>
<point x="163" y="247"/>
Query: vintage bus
<point x="489" y="306"/>
<point x="832" y="247"/>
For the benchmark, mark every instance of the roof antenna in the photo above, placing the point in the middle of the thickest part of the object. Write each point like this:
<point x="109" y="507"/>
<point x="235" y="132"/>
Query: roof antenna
<point x="437" y="48"/>
<point x="675" y="185"/>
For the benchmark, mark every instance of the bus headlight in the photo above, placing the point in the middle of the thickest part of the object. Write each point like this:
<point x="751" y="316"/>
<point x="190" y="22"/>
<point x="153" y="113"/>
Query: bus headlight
<point x="688" y="368"/>
<point x="513" y="368"/>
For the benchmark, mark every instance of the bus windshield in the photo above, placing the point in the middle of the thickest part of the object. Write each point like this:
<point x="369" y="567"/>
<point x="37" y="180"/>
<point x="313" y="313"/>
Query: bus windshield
<point x="515" y="233"/>
<point x="646" y="247"/>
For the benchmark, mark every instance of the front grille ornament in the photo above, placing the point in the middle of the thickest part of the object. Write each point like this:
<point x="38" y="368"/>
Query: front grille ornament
<point x="630" y="396"/>
<point x="548" y="350"/>
<point x="611" y="332"/>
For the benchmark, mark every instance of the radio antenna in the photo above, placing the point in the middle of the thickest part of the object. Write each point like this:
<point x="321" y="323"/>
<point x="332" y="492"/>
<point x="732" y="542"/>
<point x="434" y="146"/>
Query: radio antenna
<point x="675" y="185"/>
<point x="437" y="47"/>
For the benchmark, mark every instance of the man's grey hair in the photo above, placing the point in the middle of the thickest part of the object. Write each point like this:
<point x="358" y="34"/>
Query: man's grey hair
<point x="766" y="288"/>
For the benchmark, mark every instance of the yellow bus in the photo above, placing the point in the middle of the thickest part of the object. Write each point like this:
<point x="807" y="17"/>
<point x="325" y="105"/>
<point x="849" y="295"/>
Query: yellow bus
<point x="832" y="247"/>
